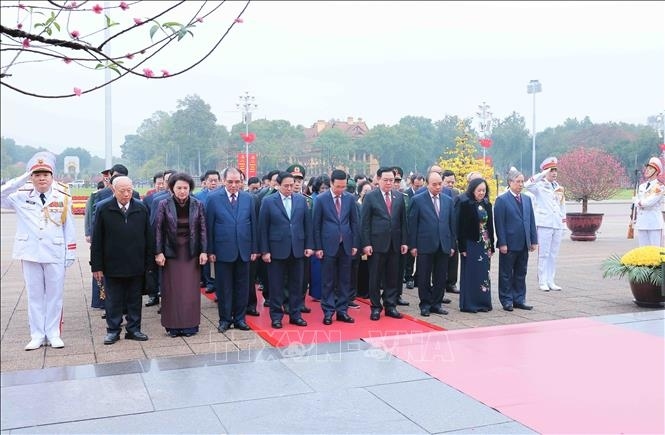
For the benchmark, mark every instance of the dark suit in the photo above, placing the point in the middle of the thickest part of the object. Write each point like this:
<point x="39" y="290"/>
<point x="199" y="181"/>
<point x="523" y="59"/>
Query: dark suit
<point x="515" y="228"/>
<point x="433" y="236"/>
<point x="453" y="262"/>
<point x="410" y="260"/>
<point x="122" y="248"/>
<point x="385" y="233"/>
<point x="285" y="239"/>
<point x="336" y="236"/>
<point x="232" y="239"/>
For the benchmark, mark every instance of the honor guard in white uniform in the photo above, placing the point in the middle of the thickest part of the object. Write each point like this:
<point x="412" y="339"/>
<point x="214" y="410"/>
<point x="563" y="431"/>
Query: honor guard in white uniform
<point x="45" y="242"/>
<point x="550" y="213"/>
<point x="649" y="203"/>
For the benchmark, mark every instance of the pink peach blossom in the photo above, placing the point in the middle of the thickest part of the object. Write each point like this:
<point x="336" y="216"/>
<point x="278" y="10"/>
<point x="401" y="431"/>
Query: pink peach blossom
<point x="239" y="20"/>
<point x="75" y="34"/>
<point x="77" y="92"/>
<point x="124" y="6"/>
<point x="66" y="60"/>
<point x="148" y="72"/>
<point x="199" y="19"/>
<point x="138" y="21"/>
<point x="19" y="26"/>
<point x="26" y="43"/>
<point x="165" y="73"/>
<point x="97" y="9"/>
<point x="130" y="56"/>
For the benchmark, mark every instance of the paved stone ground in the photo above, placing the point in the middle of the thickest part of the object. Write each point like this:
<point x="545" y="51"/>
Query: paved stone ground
<point x="585" y="293"/>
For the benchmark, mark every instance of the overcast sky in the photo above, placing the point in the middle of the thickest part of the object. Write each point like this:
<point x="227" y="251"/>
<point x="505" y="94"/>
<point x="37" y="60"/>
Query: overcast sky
<point x="305" y="61"/>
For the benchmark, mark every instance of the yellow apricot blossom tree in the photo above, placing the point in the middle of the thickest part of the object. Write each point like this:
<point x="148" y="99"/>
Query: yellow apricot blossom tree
<point x="463" y="159"/>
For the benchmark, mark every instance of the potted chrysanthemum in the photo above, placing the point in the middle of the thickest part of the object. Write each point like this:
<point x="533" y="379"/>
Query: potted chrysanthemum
<point x="645" y="269"/>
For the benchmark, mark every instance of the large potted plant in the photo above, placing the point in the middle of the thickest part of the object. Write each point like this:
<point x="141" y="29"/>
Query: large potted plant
<point x="588" y="174"/>
<point x="645" y="269"/>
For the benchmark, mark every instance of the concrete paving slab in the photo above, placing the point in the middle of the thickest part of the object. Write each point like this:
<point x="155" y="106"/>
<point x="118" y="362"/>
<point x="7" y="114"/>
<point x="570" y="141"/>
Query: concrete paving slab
<point x="341" y="411"/>
<point x="219" y="384"/>
<point x="512" y="427"/>
<point x="56" y="402"/>
<point x="437" y="407"/>
<point x="331" y="372"/>
<point x="197" y="420"/>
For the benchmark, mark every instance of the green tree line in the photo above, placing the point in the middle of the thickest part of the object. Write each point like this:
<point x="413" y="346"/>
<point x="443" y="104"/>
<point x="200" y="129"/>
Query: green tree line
<point x="190" y="139"/>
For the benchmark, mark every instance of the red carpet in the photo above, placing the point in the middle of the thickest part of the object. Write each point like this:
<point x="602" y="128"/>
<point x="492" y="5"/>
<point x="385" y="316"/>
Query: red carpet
<point x="317" y="332"/>
<point x="563" y="376"/>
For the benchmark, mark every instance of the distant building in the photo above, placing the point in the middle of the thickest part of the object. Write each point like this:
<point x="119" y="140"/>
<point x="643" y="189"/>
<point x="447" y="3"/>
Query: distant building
<point x="360" y="162"/>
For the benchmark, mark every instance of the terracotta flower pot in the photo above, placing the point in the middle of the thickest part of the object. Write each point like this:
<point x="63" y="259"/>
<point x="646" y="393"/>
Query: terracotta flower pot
<point x="647" y="295"/>
<point x="583" y="226"/>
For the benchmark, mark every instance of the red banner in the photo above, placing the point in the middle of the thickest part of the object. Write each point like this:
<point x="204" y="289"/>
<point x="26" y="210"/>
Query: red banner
<point x="242" y="163"/>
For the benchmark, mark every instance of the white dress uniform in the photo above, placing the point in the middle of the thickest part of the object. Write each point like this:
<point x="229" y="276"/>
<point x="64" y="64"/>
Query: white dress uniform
<point x="45" y="242"/>
<point x="550" y="213"/>
<point x="649" y="203"/>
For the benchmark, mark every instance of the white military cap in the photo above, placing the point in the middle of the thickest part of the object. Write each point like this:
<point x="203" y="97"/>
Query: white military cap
<point x="655" y="163"/>
<point x="550" y="162"/>
<point x="42" y="161"/>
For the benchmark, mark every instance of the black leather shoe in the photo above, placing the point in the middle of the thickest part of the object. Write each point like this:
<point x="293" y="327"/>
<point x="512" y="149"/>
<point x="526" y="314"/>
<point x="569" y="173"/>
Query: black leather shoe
<point x="446" y="301"/>
<point x="111" y="338"/>
<point x="523" y="306"/>
<point x="354" y="305"/>
<point x="305" y="309"/>
<point x="277" y="324"/>
<point x="438" y="310"/>
<point x="252" y="312"/>
<point x="152" y="301"/>
<point x="327" y="320"/>
<point x="138" y="336"/>
<point x="243" y="326"/>
<point x="375" y="314"/>
<point x="402" y="302"/>
<point x="410" y="284"/>
<point x="104" y="316"/>
<point x="223" y="326"/>
<point x="508" y="307"/>
<point x="452" y="289"/>
<point x="210" y="290"/>
<point x="392" y="312"/>
<point x="424" y="313"/>
<point x="343" y="317"/>
<point x="298" y="322"/>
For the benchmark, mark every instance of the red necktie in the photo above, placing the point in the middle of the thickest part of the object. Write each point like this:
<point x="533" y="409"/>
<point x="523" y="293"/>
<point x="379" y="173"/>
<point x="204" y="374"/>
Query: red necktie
<point x="389" y="203"/>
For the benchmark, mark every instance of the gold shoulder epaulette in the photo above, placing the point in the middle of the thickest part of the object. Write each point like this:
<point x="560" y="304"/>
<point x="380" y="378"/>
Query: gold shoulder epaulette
<point x="62" y="188"/>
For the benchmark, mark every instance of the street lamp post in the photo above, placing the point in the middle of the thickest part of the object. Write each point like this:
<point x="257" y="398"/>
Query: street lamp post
<point x="533" y="88"/>
<point x="246" y="104"/>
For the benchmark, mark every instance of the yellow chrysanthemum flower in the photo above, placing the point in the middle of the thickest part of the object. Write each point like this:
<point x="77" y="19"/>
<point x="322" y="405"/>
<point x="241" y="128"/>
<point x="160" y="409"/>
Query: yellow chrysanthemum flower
<point x="649" y="256"/>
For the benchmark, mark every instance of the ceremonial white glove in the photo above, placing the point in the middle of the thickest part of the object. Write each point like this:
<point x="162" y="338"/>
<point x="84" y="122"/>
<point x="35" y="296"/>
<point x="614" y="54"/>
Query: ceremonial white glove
<point x="69" y="262"/>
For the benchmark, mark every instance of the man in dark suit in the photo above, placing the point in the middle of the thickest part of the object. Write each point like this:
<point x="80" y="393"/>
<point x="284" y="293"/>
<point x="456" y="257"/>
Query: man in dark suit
<point x="449" y="180"/>
<point x="383" y="237"/>
<point x="121" y="252"/>
<point x="416" y="182"/>
<point x="232" y="241"/>
<point x="516" y="235"/>
<point x="431" y="239"/>
<point x="336" y="239"/>
<point x="285" y="228"/>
